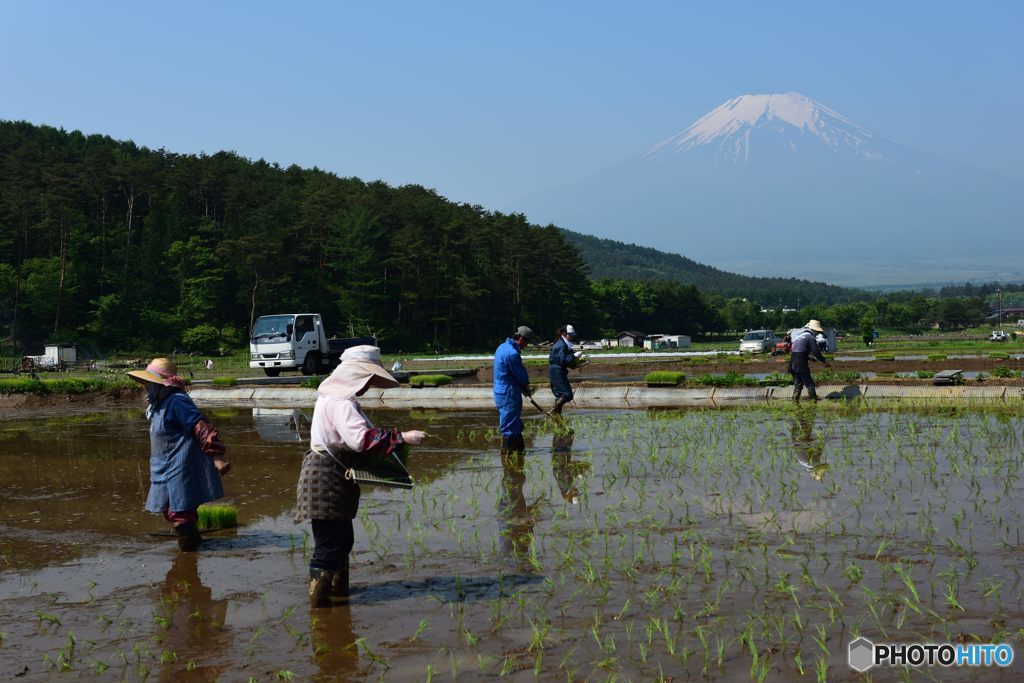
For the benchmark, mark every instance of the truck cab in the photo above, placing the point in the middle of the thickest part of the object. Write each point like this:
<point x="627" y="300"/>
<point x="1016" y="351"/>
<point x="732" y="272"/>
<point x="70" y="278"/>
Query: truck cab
<point x="287" y="342"/>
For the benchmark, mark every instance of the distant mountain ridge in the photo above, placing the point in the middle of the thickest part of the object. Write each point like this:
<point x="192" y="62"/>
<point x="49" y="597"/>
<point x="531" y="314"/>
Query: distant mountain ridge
<point x="780" y="184"/>
<point x="612" y="259"/>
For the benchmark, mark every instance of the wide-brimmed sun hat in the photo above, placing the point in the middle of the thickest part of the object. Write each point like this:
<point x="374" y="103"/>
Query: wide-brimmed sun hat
<point x="814" y="326"/>
<point x="159" y="371"/>
<point x="360" y="367"/>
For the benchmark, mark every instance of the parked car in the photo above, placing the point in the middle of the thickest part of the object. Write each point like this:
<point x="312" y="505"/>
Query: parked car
<point x="758" y="341"/>
<point x="998" y="336"/>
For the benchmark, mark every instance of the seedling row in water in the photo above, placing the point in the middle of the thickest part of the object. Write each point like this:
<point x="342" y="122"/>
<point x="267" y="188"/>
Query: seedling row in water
<point x="708" y="544"/>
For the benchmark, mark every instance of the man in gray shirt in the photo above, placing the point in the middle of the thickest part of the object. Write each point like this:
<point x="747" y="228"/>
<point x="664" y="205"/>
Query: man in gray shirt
<point x="805" y="347"/>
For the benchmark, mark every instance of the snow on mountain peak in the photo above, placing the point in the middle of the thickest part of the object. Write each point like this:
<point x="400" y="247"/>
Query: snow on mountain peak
<point x="729" y="126"/>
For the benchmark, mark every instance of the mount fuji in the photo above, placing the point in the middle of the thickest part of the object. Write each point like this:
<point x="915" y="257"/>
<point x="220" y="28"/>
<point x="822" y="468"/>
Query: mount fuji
<point x="782" y="185"/>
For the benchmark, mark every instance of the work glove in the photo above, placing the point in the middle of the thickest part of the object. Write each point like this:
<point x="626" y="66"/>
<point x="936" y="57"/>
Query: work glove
<point x="528" y="390"/>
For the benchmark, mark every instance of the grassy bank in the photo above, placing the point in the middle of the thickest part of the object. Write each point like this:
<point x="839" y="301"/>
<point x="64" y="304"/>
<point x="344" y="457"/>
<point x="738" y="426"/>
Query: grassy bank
<point x="66" y="385"/>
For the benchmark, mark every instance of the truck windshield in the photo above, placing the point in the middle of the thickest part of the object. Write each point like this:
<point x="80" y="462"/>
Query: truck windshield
<point x="271" y="326"/>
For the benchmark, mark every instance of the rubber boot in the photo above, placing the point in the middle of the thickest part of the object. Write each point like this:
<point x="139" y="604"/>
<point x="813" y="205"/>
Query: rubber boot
<point x="339" y="582"/>
<point x="797" y="390"/>
<point x="320" y="585"/>
<point x="812" y="393"/>
<point x="517" y="443"/>
<point x="188" y="537"/>
<point x="557" y="410"/>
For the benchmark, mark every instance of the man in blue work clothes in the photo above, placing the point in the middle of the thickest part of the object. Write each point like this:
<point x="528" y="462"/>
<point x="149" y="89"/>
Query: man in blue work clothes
<point x="511" y="382"/>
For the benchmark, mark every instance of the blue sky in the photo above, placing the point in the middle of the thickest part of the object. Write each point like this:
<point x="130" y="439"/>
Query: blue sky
<point x="487" y="101"/>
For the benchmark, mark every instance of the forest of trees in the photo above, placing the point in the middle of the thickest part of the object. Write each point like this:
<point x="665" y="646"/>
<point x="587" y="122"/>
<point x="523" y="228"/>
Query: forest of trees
<point x="611" y="259"/>
<point x="119" y="247"/>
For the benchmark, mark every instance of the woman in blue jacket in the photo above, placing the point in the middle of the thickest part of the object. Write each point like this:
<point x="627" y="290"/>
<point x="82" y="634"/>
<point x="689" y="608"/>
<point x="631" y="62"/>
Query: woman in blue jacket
<point x="560" y="360"/>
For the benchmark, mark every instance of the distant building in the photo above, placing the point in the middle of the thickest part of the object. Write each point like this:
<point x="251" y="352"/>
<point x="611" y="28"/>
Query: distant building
<point x="630" y="338"/>
<point x="667" y="341"/>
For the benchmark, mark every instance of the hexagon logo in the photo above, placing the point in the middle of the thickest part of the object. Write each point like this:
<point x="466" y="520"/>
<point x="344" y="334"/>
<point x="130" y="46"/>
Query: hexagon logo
<point x="862" y="654"/>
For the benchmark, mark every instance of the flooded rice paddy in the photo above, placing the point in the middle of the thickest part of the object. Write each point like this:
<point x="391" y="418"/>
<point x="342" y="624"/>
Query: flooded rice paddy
<point x="729" y="545"/>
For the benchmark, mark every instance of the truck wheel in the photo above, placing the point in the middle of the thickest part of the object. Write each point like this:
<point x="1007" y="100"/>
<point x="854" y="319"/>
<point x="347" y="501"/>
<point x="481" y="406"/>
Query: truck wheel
<point x="272" y="372"/>
<point x="311" y="365"/>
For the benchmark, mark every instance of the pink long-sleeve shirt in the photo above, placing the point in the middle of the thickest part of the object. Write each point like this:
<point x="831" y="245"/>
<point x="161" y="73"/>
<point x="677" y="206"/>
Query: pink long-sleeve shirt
<point x="340" y="424"/>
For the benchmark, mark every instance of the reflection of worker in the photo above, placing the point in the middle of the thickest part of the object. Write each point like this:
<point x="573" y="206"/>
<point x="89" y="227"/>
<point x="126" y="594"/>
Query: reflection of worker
<point x="514" y="515"/>
<point x="560" y="359"/>
<point x="325" y="495"/>
<point x="566" y="472"/>
<point x="809" y="450"/>
<point x="195" y="621"/>
<point x="334" y="644"/>
<point x="805" y="348"/>
<point x="186" y="458"/>
<point x="511" y="382"/>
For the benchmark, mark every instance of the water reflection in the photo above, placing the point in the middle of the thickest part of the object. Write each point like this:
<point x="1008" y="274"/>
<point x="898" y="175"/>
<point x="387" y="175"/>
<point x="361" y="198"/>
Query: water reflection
<point x="334" y="643"/>
<point x="285" y="425"/>
<point x="567" y="473"/>
<point x="193" y="622"/>
<point x="808" y="448"/>
<point x="515" y="517"/>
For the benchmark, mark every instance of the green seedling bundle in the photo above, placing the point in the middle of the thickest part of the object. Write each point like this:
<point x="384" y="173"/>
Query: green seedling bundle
<point x="217" y="516"/>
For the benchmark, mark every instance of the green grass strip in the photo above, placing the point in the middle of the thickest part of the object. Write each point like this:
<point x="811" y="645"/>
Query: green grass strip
<point x="64" y="386"/>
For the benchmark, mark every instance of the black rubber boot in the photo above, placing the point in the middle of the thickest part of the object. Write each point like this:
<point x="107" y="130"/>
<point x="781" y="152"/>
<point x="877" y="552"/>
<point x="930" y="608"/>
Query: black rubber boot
<point x="320" y="587"/>
<point x="188" y="537"/>
<point x="339" y="582"/>
<point x="797" y="390"/>
<point x="812" y="393"/>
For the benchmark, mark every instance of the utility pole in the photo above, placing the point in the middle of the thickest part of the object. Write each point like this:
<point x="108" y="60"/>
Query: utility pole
<point x="999" y="292"/>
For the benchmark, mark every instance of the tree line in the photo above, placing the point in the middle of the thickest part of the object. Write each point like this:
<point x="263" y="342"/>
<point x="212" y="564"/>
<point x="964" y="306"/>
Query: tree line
<point x="118" y="247"/>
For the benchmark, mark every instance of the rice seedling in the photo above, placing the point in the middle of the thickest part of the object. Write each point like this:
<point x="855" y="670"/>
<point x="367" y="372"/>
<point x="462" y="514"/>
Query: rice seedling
<point x="217" y="516"/>
<point x="664" y="378"/>
<point x="692" y="544"/>
<point x="429" y="380"/>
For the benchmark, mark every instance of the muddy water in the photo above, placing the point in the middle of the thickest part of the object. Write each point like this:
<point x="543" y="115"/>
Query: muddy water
<point x="701" y="544"/>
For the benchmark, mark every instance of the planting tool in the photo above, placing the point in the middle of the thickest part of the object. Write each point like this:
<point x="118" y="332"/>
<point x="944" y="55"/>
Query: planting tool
<point x="536" y="405"/>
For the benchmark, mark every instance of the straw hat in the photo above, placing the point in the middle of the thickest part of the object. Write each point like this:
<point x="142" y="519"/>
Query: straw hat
<point x="159" y="371"/>
<point x="360" y="368"/>
<point x="815" y="326"/>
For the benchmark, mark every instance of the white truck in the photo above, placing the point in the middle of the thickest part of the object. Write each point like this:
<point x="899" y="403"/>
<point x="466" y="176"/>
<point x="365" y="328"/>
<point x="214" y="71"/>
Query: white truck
<point x="296" y="341"/>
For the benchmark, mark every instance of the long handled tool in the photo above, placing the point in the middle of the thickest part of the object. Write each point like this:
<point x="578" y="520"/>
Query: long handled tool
<point x="535" y="404"/>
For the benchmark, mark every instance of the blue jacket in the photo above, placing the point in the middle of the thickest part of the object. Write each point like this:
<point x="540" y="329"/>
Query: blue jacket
<point x="561" y="354"/>
<point x="182" y="477"/>
<point x="510" y="379"/>
<point x="509" y="372"/>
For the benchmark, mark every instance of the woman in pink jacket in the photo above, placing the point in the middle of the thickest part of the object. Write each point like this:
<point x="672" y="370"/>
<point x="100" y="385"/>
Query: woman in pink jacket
<point x="328" y="498"/>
